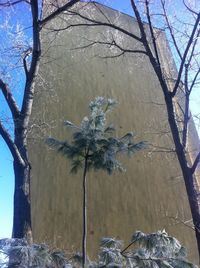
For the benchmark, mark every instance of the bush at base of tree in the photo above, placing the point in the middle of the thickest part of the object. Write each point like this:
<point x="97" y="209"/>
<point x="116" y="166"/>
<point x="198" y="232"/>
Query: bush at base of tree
<point x="154" y="250"/>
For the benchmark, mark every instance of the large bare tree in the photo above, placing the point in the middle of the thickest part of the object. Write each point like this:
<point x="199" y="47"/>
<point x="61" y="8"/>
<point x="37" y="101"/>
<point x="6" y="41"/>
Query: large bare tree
<point x="17" y="142"/>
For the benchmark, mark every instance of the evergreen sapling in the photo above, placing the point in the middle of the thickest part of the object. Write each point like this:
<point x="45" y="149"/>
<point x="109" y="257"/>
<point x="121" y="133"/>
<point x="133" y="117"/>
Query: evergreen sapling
<point x="94" y="145"/>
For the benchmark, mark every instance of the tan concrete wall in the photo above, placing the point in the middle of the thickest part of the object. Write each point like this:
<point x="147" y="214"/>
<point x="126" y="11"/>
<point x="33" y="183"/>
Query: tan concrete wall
<point x="150" y="193"/>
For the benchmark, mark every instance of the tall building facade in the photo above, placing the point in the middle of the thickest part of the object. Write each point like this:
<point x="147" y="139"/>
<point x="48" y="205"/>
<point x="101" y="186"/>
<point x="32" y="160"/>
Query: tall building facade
<point x="150" y="195"/>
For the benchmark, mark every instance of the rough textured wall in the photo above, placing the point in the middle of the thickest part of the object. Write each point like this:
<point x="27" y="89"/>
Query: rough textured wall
<point x="151" y="192"/>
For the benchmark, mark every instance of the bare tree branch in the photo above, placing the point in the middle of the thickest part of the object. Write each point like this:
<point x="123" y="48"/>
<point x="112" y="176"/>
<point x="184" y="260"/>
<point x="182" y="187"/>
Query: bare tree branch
<point x="196" y="162"/>
<point x="161" y="149"/>
<point x="193" y="52"/>
<point x="10" y="100"/>
<point x="27" y="52"/>
<point x="11" y="145"/>
<point x="188" y="91"/>
<point x="191" y="10"/>
<point x="180" y="107"/>
<point x="100" y="23"/>
<point x="29" y="86"/>
<point x="101" y="11"/>
<point x="194" y="80"/>
<point x="152" y="32"/>
<point x="184" y="222"/>
<point x="170" y="29"/>
<point x="112" y="44"/>
<point x="10" y="3"/>
<point x="152" y="59"/>
<point x="57" y="12"/>
<point x="25" y="66"/>
<point x="186" y="109"/>
<point x="190" y="41"/>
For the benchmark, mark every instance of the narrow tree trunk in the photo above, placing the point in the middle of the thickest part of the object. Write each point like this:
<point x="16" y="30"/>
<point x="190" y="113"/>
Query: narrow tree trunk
<point x="84" y="237"/>
<point x="22" y="209"/>
<point x="192" y="194"/>
<point x="189" y="177"/>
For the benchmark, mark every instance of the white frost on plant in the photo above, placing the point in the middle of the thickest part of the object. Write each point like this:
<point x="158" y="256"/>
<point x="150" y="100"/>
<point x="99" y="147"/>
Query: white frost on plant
<point x="3" y="259"/>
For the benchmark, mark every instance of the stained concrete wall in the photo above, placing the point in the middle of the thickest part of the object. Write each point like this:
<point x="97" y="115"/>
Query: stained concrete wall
<point x="151" y="192"/>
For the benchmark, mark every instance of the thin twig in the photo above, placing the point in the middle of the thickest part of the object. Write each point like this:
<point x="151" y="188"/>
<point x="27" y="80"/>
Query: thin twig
<point x="196" y="162"/>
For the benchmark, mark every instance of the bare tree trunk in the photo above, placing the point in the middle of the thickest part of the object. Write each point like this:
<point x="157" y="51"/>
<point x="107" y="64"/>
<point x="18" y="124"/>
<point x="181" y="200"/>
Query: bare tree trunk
<point x="187" y="172"/>
<point x="22" y="207"/>
<point x="193" y="201"/>
<point x="84" y="237"/>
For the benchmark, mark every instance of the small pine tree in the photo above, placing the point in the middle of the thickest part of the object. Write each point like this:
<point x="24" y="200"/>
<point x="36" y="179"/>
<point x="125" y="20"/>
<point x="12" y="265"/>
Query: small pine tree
<point x="94" y="146"/>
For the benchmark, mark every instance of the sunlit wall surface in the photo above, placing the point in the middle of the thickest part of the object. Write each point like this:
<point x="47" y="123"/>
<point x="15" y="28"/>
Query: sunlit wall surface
<point x="150" y="195"/>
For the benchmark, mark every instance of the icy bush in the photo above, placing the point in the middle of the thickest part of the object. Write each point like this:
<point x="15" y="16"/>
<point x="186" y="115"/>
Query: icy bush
<point x="154" y="250"/>
<point x="17" y="253"/>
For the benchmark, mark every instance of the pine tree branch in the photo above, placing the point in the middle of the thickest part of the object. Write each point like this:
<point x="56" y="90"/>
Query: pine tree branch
<point x="127" y="247"/>
<point x="10" y="100"/>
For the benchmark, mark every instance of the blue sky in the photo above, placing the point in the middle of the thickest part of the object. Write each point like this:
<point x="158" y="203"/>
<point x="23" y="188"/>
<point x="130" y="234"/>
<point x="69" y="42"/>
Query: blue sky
<point x="20" y="16"/>
<point x="8" y="28"/>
